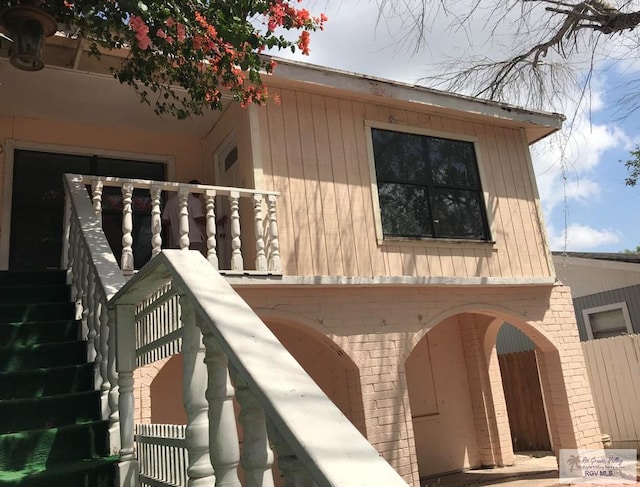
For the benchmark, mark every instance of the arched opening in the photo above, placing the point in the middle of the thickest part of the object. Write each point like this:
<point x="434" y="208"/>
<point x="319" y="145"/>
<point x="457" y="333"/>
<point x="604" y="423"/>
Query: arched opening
<point x="441" y="402"/>
<point x="554" y="396"/>
<point x="166" y="394"/>
<point x="459" y="411"/>
<point x="328" y="365"/>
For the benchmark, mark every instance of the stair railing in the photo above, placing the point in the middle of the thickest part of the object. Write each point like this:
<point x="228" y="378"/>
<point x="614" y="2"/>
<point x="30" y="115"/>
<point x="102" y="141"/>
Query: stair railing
<point x="179" y="302"/>
<point x="229" y="352"/>
<point x="95" y="277"/>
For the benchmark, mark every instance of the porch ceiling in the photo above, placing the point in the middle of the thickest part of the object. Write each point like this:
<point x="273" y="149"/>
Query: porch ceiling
<point x="60" y="93"/>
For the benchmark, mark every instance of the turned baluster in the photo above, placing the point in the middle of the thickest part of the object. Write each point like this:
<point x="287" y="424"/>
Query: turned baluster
<point x="66" y="235"/>
<point x="103" y="356"/>
<point x="82" y="308"/>
<point x="114" y="389"/>
<point x="200" y="471"/>
<point x="210" y="205"/>
<point x="126" y="262"/>
<point x="294" y="472"/>
<point x="156" y="221"/>
<point x="257" y="456"/>
<point x="236" y="253"/>
<point x="183" y="212"/>
<point x="72" y="260"/>
<point x="96" y="190"/>
<point x="126" y="363"/>
<point x="274" y="245"/>
<point x="90" y="316"/>
<point x="78" y="266"/>
<point x="261" y="258"/>
<point x="223" y="434"/>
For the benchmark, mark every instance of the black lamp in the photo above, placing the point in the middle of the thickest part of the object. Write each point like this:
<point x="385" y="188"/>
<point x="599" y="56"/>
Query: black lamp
<point x="28" y="25"/>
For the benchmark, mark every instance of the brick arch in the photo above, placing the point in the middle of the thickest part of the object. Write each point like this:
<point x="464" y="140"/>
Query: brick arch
<point x="535" y="329"/>
<point x="160" y="392"/>
<point x="165" y="392"/>
<point x="325" y="361"/>
<point x="446" y="408"/>
<point x="144" y="378"/>
<point x="478" y="329"/>
<point x="551" y="375"/>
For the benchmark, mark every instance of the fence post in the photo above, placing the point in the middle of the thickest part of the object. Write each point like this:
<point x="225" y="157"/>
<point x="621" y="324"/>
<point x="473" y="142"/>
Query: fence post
<point x="128" y="472"/>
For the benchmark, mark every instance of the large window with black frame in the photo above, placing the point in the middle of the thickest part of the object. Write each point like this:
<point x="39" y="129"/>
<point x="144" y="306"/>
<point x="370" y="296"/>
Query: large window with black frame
<point x="428" y="187"/>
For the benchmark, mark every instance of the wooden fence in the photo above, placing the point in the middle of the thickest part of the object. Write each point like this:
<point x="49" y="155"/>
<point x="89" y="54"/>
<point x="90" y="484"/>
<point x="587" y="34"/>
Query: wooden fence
<point x="525" y="406"/>
<point x="613" y="365"/>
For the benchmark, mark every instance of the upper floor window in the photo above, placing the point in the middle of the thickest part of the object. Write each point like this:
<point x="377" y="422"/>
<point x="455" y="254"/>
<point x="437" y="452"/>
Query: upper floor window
<point x="428" y="186"/>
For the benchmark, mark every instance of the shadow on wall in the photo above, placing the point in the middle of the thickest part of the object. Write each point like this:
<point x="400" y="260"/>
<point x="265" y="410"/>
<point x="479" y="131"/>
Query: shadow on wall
<point x="331" y="368"/>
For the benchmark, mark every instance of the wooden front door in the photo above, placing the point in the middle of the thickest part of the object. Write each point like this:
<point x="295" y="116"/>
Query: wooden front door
<point x="37" y="204"/>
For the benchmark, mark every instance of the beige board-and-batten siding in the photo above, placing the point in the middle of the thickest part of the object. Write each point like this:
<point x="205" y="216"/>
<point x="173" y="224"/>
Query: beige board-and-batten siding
<point x="613" y="365"/>
<point x="314" y="150"/>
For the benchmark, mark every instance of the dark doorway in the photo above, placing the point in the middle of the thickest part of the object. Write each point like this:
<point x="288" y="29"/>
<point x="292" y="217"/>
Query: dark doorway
<point x="37" y="205"/>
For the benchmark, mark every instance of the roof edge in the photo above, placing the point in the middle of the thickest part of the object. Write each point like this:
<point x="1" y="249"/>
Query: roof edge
<point x="418" y="94"/>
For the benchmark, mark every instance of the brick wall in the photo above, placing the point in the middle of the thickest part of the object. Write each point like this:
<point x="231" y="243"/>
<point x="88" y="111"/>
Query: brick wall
<point x="378" y="327"/>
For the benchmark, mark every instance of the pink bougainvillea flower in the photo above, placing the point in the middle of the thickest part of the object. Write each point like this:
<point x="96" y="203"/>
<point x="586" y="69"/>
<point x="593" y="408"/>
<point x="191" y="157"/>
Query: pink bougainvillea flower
<point x="303" y="42"/>
<point x="142" y="31"/>
<point x="181" y="33"/>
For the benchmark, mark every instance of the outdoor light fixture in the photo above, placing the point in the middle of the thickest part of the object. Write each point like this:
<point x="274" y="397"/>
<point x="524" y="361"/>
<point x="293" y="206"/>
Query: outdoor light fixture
<point x="28" y="25"/>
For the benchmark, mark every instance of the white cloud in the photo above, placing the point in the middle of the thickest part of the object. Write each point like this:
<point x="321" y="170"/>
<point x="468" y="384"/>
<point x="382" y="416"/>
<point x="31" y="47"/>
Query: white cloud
<point x="582" y="237"/>
<point x="568" y="163"/>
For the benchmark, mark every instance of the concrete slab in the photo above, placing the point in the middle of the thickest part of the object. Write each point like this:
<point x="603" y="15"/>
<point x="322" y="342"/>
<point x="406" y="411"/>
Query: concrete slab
<point x="531" y="469"/>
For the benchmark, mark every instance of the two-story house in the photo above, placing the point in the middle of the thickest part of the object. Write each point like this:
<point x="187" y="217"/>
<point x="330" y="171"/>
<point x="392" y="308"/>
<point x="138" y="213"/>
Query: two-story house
<point x="408" y="224"/>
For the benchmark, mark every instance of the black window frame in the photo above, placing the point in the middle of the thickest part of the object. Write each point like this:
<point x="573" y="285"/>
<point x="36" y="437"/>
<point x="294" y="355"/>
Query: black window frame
<point x="431" y="189"/>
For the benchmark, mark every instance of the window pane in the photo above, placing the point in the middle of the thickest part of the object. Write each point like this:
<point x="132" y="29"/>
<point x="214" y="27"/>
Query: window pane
<point x="399" y="158"/>
<point x="418" y="175"/>
<point x="404" y="210"/>
<point x="458" y="214"/>
<point x="453" y="163"/>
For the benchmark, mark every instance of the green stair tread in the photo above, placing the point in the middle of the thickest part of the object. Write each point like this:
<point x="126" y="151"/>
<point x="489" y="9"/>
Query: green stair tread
<point x="34" y="332"/>
<point x="42" y="355"/>
<point x="16" y="278"/>
<point x="47" y="381"/>
<point x="24" y="293"/>
<point x="71" y="474"/>
<point x="34" y="311"/>
<point x="51" y="431"/>
<point x="49" y="411"/>
<point x="47" y="447"/>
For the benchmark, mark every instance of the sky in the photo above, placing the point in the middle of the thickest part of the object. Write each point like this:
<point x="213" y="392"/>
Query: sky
<point x="586" y="206"/>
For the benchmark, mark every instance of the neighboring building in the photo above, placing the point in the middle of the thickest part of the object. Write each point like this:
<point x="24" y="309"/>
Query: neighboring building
<point x="605" y="289"/>
<point x="409" y="231"/>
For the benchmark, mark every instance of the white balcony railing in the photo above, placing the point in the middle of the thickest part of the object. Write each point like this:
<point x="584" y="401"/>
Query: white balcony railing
<point x="240" y="226"/>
